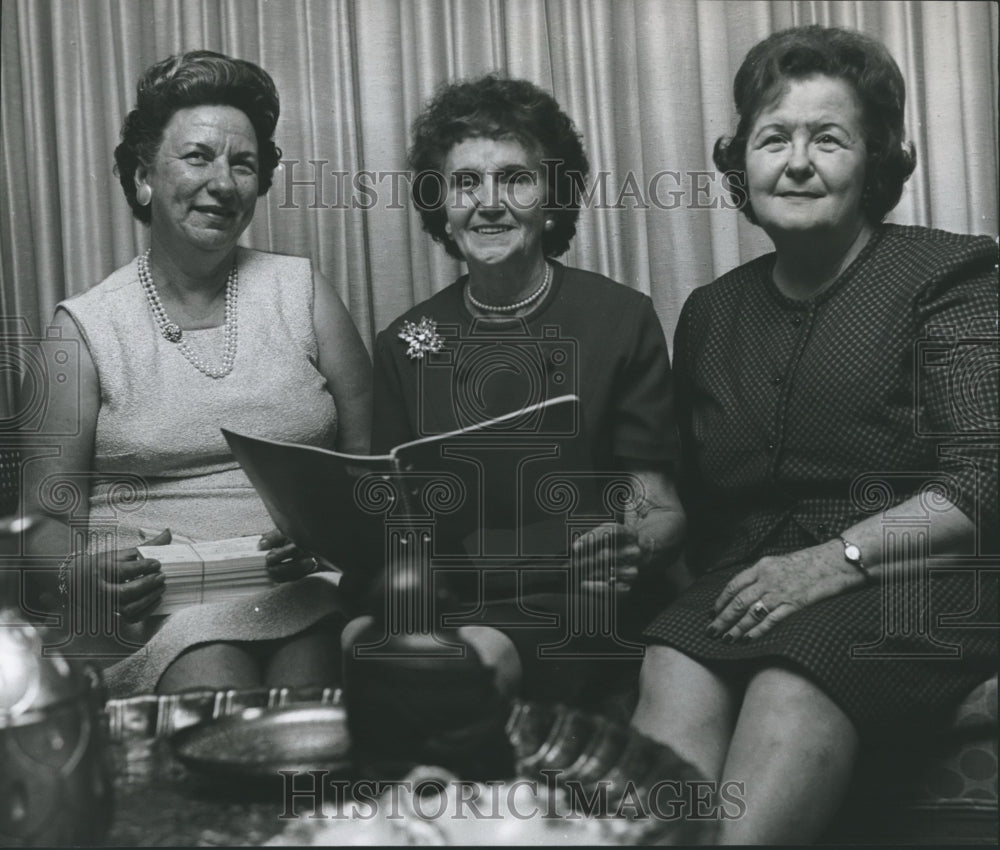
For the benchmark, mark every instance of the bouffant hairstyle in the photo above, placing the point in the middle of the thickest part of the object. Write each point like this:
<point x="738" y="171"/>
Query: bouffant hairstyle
<point x="197" y="78"/>
<point x="495" y="107"/>
<point x="864" y="63"/>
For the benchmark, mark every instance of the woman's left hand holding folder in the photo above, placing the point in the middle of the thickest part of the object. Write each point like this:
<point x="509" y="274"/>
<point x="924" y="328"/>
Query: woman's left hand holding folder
<point x="285" y="561"/>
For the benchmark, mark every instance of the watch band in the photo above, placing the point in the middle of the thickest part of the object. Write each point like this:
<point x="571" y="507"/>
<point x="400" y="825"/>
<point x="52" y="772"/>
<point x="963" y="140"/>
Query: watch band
<point x="852" y="554"/>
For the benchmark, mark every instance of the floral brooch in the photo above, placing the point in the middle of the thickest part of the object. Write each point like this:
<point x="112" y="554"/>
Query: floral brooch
<point x="421" y="337"/>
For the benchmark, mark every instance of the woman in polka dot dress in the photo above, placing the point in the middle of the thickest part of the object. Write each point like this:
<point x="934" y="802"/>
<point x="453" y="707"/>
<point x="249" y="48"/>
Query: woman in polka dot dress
<point x="838" y="417"/>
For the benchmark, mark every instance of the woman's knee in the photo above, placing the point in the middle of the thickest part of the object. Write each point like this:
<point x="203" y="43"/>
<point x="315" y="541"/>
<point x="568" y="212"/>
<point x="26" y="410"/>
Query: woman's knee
<point x="656" y="661"/>
<point x="687" y="706"/>
<point x="212" y="665"/>
<point x="353" y="631"/>
<point x="785" y="698"/>
<point x="670" y="675"/>
<point x="311" y="657"/>
<point x="498" y="652"/>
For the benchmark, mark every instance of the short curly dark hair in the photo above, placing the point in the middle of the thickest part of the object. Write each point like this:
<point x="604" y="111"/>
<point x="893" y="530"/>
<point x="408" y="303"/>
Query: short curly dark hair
<point x="864" y="63"/>
<point x="196" y="78"/>
<point x="496" y="107"/>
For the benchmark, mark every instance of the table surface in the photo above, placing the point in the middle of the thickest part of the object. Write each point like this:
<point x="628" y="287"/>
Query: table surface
<point x="158" y="802"/>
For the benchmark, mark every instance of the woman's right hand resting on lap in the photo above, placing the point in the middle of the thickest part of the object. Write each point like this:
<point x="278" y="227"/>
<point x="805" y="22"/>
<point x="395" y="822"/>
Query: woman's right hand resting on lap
<point x="135" y="584"/>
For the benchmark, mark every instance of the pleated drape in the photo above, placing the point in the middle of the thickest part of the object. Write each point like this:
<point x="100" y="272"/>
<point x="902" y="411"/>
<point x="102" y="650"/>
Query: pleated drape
<point x="647" y="81"/>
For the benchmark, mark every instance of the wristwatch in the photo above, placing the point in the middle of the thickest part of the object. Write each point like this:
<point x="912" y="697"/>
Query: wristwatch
<point x="852" y="554"/>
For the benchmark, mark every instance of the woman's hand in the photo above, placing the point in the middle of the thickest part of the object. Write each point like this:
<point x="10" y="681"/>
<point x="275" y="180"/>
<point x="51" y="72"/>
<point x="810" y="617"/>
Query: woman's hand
<point x="618" y="554"/>
<point x="612" y="556"/>
<point x="761" y="596"/>
<point x="136" y="584"/>
<point x="285" y="561"/>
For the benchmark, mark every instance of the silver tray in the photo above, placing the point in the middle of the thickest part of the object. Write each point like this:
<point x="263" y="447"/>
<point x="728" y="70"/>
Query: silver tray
<point x="555" y="746"/>
<point x="257" y="743"/>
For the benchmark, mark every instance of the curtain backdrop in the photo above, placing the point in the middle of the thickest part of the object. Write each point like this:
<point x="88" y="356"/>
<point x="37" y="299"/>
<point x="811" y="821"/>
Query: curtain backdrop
<point x="647" y="81"/>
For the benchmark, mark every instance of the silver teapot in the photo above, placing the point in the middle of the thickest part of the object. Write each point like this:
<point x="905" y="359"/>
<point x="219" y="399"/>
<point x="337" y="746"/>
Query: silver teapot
<point x="55" y="770"/>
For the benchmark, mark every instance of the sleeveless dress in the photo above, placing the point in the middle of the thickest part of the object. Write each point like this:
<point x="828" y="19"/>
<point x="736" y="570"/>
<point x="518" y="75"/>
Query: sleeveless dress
<point x="160" y="460"/>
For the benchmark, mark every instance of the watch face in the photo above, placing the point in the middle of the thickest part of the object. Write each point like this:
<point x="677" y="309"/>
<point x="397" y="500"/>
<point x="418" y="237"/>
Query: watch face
<point x="852" y="552"/>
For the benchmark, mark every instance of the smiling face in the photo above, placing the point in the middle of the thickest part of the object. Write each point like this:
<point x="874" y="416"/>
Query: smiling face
<point x="203" y="179"/>
<point x="496" y="190"/>
<point x="805" y="161"/>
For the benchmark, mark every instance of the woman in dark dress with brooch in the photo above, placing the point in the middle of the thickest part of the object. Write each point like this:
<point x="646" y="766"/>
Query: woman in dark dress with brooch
<point x="498" y="168"/>
<point x="835" y="407"/>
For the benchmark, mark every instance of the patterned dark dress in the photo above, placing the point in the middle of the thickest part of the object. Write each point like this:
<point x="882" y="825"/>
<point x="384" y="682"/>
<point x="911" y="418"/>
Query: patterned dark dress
<point x="800" y="418"/>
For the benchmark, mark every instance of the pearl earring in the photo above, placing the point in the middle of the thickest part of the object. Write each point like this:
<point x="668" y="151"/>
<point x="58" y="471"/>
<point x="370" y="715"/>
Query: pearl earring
<point x="550" y="223"/>
<point x="144" y="194"/>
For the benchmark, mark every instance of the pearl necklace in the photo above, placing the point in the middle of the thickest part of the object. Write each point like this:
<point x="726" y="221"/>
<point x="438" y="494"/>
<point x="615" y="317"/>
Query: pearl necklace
<point x="517" y="305"/>
<point x="171" y="330"/>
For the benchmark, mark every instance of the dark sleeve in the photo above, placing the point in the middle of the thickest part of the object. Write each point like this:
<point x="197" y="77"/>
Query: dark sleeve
<point x="644" y="428"/>
<point x="688" y="477"/>
<point x="956" y="401"/>
<point x="391" y="423"/>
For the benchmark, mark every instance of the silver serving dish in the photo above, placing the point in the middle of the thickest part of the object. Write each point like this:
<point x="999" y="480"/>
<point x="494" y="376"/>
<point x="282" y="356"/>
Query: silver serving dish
<point x="572" y="757"/>
<point x="257" y="743"/>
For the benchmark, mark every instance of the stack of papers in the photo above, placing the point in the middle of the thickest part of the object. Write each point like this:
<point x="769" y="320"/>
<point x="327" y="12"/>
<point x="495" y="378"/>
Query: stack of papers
<point x="216" y="571"/>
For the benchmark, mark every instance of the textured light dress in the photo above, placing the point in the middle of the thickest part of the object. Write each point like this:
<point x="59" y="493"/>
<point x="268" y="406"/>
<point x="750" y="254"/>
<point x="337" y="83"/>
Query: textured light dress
<point x="160" y="460"/>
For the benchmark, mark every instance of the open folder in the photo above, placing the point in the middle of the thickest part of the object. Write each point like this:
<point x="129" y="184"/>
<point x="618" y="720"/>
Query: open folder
<point x="494" y="492"/>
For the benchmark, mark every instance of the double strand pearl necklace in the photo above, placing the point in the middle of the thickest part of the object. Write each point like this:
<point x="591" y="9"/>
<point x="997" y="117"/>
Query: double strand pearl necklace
<point x="517" y="305"/>
<point x="172" y="332"/>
